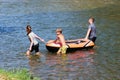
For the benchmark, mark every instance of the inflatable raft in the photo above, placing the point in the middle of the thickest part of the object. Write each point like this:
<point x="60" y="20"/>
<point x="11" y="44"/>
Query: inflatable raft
<point x="73" y="45"/>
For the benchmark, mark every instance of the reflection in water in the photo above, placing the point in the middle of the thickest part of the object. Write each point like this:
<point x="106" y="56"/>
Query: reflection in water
<point x="35" y="61"/>
<point x="61" y="67"/>
<point x="72" y="66"/>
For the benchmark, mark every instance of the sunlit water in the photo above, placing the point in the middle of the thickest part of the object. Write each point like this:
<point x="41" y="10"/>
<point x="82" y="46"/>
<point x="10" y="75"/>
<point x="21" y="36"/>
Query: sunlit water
<point x="100" y="63"/>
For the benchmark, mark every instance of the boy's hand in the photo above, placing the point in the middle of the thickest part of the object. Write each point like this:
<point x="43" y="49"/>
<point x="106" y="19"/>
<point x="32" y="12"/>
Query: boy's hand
<point x="43" y="40"/>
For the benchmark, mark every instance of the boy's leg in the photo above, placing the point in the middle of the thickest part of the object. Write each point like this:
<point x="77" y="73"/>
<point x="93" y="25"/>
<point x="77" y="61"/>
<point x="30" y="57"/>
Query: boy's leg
<point x="93" y="39"/>
<point x="59" y="51"/>
<point x="28" y="53"/>
<point x="38" y="54"/>
<point x="64" y="49"/>
<point x="36" y="48"/>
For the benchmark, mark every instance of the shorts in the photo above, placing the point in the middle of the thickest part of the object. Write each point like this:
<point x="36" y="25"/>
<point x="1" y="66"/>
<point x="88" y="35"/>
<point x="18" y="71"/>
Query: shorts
<point x="35" y="48"/>
<point x="93" y="39"/>
<point x="62" y="49"/>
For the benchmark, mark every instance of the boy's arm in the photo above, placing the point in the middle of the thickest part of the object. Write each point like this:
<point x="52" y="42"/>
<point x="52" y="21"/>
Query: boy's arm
<point x="39" y="38"/>
<point x="31" y="43"/>
<point x="88" y="33"/>
<point x="55" y="41"/>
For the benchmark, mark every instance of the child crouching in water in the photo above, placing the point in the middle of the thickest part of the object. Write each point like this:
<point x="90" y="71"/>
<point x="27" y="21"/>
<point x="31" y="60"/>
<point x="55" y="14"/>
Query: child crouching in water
<point x="34" y="45"/>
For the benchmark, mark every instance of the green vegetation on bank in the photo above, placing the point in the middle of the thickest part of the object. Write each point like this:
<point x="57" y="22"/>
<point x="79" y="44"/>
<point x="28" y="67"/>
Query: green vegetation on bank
<point x="16" y="74"/>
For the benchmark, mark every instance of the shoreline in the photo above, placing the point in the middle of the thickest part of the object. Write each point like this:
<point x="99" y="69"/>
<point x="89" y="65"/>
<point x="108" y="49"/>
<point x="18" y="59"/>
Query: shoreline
<point x="16" y="74"/>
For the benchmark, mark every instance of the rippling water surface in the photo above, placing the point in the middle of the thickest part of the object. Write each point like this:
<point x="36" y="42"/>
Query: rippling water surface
<point x="100" y="63"/>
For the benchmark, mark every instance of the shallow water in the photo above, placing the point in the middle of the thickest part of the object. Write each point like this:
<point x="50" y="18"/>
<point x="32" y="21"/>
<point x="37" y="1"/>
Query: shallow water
<point x="100" y="63"/>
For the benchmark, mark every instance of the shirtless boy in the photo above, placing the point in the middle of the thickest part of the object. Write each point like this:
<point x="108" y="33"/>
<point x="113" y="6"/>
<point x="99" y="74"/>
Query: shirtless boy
<point x="61" y="41"/>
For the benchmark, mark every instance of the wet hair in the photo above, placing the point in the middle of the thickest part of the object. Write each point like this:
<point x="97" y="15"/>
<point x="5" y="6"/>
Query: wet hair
<point x="93" y="19"/>
<point x="28" y="29"/>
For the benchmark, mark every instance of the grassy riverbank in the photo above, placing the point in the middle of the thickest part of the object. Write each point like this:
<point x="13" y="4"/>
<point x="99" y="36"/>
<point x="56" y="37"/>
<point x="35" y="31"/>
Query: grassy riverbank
<point x="16" y="74"/>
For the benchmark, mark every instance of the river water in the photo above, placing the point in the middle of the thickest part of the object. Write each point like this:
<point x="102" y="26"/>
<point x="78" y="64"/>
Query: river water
<point x="100" y="63"/>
